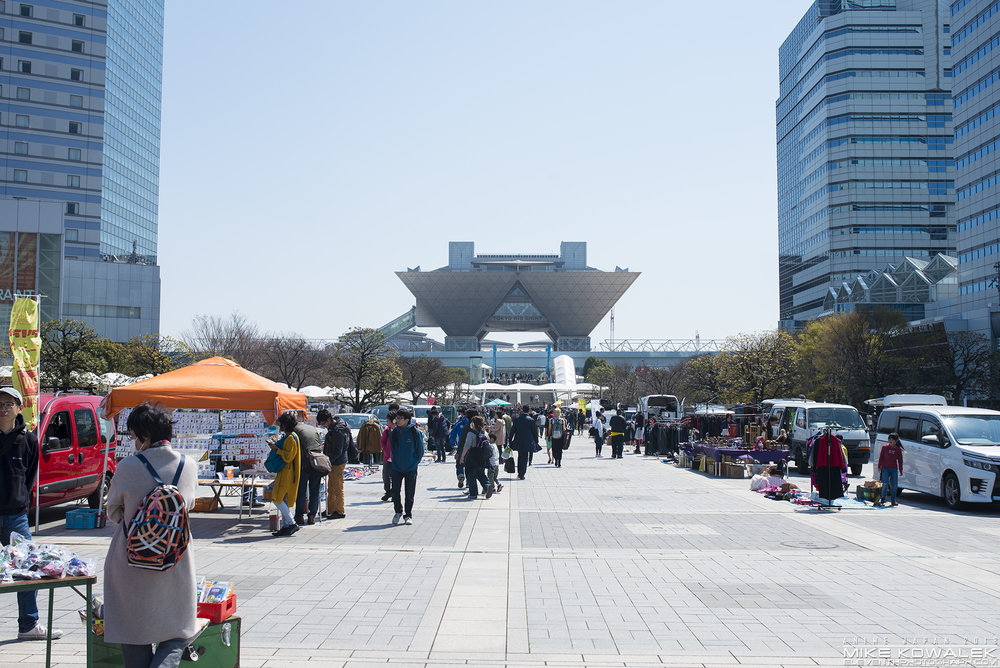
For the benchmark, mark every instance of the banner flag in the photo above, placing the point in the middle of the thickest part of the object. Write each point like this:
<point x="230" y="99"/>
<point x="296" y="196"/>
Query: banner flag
<point x="26" y="344"/>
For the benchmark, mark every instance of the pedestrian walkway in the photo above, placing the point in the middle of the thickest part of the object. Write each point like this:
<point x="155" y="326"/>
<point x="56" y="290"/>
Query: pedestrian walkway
<point x="603" y="562"/>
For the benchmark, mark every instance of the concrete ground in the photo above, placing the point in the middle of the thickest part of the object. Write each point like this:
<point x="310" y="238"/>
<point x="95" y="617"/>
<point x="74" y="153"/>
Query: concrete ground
<point x="602" y="562"/>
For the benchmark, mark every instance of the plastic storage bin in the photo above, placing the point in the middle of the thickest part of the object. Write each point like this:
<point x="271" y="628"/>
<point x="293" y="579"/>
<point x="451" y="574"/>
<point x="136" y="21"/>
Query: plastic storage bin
<point x="218" y="612"/>
<point x="85" y="518"/>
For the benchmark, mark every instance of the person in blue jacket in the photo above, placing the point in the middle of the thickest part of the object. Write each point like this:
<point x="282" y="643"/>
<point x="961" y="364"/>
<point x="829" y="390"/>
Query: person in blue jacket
<point x="407" y="444"/>
<point x="457" y="433"/>
<point x="524" y="439"/>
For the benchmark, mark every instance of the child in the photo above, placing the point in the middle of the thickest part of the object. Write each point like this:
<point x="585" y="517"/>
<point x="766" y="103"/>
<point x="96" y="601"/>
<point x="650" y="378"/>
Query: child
<point x="890" y="463"/>
<point x="494" y="464"/>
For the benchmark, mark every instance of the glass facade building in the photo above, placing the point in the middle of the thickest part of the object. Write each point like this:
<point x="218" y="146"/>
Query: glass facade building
<point x="80" y="94"/>
<point x="865" y="145"/>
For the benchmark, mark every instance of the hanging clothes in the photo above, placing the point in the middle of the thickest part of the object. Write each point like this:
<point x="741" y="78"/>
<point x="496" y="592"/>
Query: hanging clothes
<point x="828" y="462"/>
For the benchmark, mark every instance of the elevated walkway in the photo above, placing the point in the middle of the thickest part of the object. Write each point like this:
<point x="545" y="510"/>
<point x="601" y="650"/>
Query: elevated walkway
<point x="404" y="322"/>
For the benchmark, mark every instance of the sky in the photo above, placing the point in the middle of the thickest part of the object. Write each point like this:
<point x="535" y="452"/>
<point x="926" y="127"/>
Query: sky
<point x="312" y="149"/>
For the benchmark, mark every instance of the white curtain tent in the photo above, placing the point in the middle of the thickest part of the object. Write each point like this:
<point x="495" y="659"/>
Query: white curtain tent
<point x="526" y="392"/>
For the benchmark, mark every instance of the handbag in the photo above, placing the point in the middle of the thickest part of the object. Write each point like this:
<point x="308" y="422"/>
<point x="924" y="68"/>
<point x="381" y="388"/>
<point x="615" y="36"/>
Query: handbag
<point x="508" y="465"/>
<point x="274" y="463"/>
<point x="319" y="462"/>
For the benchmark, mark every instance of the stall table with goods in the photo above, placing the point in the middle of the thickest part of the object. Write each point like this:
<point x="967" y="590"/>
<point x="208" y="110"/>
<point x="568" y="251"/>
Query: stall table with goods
<point x="729" y="457"/>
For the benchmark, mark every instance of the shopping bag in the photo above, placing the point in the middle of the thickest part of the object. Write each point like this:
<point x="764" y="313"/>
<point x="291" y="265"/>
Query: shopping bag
<point x="508" y="465"/>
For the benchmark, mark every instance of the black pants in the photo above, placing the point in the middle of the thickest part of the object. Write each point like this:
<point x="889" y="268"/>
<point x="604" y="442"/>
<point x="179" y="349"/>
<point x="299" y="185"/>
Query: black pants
<point x="411" y="485"/>
<point x="439" y="445"/>
<point x="617" y="446"/>
<point x="522" y="462"/>
<point x="309" y="482"/>
<point x="557" y="450"/>
<point x="598" y="443"/>
<point x="387" y="477"/>
<point x="474" y="474"/>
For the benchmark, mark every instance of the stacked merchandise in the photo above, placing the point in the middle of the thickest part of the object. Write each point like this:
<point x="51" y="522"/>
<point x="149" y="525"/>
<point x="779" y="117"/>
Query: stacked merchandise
<point x="193" y="436"/>
<point x="243" y="438"/>
<point x="126" y="446"/>
<point x="358" y="472"/>
<point x="23" y="559"/>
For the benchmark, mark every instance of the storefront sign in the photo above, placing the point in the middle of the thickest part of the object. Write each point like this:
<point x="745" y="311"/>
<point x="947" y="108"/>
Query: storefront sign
<point x="7" y="295"/>
<point x="26" y="344"/>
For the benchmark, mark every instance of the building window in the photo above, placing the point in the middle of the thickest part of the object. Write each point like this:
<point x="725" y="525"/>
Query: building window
<point x="77" y="46"/>
<point x="72" y="208"/>
<point x="21" y="147"/>
<point x="76" y="100"/>
<point x="26" y="10"/>
<point x="75" y="154"/>
<point x="23" y="93"/>
<point x="24" y="66"/>
<point x="76" y="75"/>
<point x="75" y="128"/>
<point x="24" y="37"/>
<point x="21" y="175"/>
<point x="21" y="120"/>
<point x="72" y="181"/>
<point x="72" y="234"/>
<point x="78" y="20"/>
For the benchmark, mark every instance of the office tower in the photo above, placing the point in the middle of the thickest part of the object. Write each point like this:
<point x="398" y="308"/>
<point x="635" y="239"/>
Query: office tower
<point x="80" y="89"/>
<point x="865" y="139"/>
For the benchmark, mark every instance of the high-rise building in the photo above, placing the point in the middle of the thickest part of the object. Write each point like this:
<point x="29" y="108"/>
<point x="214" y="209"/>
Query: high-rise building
<point x="975" y="41"/>
<point x="80" y="89"/>
<point x="865" y="139"/>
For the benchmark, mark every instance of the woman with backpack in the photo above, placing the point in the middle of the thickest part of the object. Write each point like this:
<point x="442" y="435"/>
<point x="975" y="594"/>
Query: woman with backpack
<point x="557" y="431"/>
<point x="144" y="605"/>
<point x="476" y="457"/>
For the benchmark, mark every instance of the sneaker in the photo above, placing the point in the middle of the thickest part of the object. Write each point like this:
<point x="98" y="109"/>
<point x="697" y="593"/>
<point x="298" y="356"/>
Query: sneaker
<point x="461" y="482"/>
<point x="396" y="518"/>
<point x="407" y="520"/>
<point x="894" y="504"/>
<point x="38" y="633"/>
<point x="336" y="516"/>
<point x="292" y="528"/>
<point x="285" y="531"/>
<point x="489" y="491"/>
<point x="499" y="487"/>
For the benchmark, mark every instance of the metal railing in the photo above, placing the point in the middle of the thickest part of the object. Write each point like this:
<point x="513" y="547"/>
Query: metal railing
<point x="661" y="345"/>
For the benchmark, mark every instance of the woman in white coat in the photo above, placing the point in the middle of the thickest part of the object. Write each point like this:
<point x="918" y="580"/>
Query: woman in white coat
<point x="141" y="606"/>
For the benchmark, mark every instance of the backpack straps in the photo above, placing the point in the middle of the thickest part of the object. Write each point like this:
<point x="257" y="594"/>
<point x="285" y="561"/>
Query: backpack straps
<point x="152" y="471"/>
<point x="177" y="476"/>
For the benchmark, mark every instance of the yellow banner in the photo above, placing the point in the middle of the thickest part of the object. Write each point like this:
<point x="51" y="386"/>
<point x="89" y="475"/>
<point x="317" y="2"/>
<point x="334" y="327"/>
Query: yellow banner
<point x="26" y="344"/>
<point x="583" y="405"/>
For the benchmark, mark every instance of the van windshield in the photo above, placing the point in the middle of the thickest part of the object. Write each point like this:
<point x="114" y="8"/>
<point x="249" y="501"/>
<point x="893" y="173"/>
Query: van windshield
<point x="842" y="418"/>
<point x="421" y="411"/>
<point x="974" y="429"/>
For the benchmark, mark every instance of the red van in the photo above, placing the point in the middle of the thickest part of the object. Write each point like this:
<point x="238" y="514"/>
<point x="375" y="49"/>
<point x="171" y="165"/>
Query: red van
<point x="73" y="438"/>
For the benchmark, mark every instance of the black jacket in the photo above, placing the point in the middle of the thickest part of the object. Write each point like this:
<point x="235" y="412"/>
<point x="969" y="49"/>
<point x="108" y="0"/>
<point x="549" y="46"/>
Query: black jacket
<point x="618" y="424"/>
<point x="338" y="440"/>
<point x="18" y="464"/>
<point x="524" y="433"/>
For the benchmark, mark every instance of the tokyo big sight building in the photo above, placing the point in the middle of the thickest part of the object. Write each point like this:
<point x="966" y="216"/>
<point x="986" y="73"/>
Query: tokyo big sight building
<point x="80" y="94"/>
<point x="865" y="145"/>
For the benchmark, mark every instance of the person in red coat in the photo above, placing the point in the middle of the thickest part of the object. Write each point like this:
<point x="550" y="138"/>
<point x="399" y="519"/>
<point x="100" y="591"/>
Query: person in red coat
<point x="890" y="463"/>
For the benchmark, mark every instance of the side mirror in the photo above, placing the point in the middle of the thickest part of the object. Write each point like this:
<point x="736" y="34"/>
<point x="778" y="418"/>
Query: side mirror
<point x="930" y="439"/>
<point x="104" y="439"/>
<point x="51" y="443"/>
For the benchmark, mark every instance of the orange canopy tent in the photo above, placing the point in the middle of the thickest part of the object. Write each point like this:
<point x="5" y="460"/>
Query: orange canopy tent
<point x="214" y="383"/>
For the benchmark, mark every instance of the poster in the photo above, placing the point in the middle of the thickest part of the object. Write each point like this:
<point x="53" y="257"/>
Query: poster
<point x="25" y="344"/>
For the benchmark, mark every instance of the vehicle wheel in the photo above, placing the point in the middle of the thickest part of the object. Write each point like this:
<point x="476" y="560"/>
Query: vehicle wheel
<point x="856" y="469"/>
<point x="951" y="491"/>
<point x="94" y="500"/>
<point x="801" y="465"/>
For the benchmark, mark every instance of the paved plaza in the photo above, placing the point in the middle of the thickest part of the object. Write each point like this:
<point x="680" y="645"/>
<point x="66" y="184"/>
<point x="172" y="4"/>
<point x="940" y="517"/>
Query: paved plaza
<point x="603" y="562"/>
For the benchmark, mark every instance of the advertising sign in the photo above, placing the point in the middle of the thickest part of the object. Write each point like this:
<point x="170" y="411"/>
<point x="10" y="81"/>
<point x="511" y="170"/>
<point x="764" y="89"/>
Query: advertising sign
<point x="26" y="344"/>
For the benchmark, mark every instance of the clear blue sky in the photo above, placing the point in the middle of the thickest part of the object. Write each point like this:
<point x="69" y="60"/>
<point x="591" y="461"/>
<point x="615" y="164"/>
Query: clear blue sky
<point x="312" y="148"/>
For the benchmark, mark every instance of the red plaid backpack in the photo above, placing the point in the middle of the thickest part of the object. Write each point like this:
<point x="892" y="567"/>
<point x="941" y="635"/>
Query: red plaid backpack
<point x="157" y="536"/>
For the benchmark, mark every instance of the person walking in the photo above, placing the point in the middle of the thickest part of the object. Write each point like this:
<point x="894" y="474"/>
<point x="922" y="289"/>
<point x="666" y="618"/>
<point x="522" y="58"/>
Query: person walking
<point x="494" y="468"/>
<point x="336" y="445"/>
<point x="499" y="430"/>
<point x="890" y="463"/>
<point x="390" y="420"/>
<point x="558" y="430"/>
<point x="309" y="479"/>
<point x="286" y="481"/>
<point x="18" y="466"/>
<point x="143" y="607"/>
<point x="524" y="439"/>
<point x="476" y="457"/>
<point x="457" y="437"/>
<point x="618" y="425"/>
<point x="598" y="428"/>
<point x="407" y="445"/>
<point x="437" y="432"/>
<point x="581" y="421"/>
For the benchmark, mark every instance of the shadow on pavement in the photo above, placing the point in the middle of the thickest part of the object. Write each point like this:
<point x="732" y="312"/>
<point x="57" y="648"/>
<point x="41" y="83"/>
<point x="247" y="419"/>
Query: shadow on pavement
<point x="371" y="527"/>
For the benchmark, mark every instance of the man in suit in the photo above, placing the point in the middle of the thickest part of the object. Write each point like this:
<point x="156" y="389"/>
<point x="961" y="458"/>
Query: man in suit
<point x="524" y="439"/>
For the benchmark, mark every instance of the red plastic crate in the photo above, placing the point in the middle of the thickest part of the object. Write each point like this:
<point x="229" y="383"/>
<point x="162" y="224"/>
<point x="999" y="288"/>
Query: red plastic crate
<point x="217" y="612"/>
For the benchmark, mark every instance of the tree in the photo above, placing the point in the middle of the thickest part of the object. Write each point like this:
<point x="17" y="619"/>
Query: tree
<point x="291" y="359"/>
<point x="68" y="346"/>
<point x="754" y="367"/>
<point x="424" y="375"/>
<point x="363" y="361"/>
<point x="700" y="380"/>
<point x="151" y="354"/>
<point x="659" y="380"/>
<point x="235" y="338"/>
<point x="599" y="372"/>
<point x="589" y="363"/>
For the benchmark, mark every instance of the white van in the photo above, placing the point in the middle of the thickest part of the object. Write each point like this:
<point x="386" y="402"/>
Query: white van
<point x="660" y="406"/>
<point x="804" y="419"/>
<point x="948" y="451"/>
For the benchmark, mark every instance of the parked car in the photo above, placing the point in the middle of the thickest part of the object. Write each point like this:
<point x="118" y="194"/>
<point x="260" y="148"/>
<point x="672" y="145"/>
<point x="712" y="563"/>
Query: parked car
<point x="804" y="419"/>
<point x="354" y="421"/>
<point x="382" y="412"/>
<point x="74" y="441"/>
<point x="948" y="451"/>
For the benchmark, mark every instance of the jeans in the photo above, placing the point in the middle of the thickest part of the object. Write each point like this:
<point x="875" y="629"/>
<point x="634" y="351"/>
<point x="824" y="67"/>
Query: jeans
<point x="459" y="469"/>
<point x="476" y="473"/>
<point x="397" y="483"/>
<point x="439" y="446"/>
<point x="309" y="482"/>
<point x="387" y="477"/>
<point x="522" y="462"/>
<point x="557" y="450"/>
<point x="168" y="654"/>
<point x="286" y="515"/>
<point x="890" y="482"/>
<point x="27" y="601"/>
